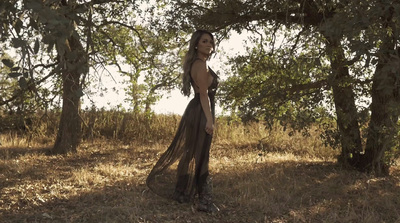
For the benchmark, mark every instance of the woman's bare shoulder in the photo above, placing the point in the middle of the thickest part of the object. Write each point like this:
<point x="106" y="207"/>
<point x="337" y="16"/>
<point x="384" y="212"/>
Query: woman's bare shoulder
<point x="199" y="66"/>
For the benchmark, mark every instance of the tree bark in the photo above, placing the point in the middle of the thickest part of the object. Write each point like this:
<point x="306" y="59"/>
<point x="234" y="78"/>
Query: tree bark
<point x="385" y="106"/>
<point x="382" y="126"/>
<point x="344" y="100"/>
<point x="69" y="131"/>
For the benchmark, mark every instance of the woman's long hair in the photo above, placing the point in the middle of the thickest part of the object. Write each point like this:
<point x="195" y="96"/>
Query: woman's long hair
<point x="190" y="57"/>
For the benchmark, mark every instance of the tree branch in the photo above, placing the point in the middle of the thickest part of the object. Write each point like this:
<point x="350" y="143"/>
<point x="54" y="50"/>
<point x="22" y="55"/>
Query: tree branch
<point x="30" y="85"/>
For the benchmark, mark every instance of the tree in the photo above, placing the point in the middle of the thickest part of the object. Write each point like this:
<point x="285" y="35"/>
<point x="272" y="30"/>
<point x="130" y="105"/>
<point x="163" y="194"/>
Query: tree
<point x="152" y="56"/>
<point x="64" y="28"/>
<point x="343" y="33"/>
<point x="383" y="128"/>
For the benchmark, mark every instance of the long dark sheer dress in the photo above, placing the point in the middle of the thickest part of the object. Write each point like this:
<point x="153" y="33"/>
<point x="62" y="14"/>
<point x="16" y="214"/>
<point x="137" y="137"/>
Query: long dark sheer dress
<point x="191" y="146"/>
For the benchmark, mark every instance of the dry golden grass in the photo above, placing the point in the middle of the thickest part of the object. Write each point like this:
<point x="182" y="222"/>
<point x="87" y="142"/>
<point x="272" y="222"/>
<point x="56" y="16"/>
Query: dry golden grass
<point x="258" y="176"/>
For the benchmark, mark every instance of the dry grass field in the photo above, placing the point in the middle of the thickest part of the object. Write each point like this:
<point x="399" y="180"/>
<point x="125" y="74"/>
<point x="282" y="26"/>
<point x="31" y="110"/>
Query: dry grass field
<point x="258" y="176"/>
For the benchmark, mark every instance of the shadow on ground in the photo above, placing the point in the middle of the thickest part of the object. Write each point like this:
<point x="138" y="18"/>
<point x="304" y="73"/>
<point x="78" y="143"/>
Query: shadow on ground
<point x="275" y="191"/>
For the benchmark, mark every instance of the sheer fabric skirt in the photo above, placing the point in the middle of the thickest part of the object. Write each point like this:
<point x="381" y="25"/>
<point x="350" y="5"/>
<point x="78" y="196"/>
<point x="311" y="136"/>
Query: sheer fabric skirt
<point x="183" y="167"/>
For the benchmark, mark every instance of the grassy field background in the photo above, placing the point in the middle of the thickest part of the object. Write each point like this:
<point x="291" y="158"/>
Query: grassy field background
<point x="259" y="175"/>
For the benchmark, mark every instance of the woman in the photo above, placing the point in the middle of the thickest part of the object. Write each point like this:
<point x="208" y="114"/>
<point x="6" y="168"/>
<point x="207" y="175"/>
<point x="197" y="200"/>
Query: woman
<point x="191" y="144"/>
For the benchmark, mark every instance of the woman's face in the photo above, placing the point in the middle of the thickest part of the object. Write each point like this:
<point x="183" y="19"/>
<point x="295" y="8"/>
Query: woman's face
<point x="205" y="45"/>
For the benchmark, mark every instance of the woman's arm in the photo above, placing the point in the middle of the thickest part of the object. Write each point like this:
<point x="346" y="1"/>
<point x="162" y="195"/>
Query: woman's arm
<point x="201" y="78"/>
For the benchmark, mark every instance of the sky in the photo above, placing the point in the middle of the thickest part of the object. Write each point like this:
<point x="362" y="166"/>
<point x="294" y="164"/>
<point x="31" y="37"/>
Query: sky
<point x="171" y="103"/>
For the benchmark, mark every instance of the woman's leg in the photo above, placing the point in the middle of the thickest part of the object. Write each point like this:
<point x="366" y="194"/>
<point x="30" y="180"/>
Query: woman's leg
<point x="181" y="193"/>
<point x="204" y="185"/>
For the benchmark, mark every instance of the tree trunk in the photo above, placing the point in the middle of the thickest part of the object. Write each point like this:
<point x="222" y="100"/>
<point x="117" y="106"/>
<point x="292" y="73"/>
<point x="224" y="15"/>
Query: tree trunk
<point x="344" y="99"/>
<point x="382" y="126"/>
<point x="69" y="132"/>
<point x="385" y="108"/>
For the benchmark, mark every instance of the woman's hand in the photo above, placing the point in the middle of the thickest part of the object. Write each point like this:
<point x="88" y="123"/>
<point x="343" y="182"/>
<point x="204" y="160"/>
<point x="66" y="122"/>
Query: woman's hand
<point x="209" y="127"/>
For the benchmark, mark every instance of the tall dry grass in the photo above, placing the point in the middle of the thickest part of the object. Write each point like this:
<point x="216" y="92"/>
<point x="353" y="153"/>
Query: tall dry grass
<point x="259" y="175"/>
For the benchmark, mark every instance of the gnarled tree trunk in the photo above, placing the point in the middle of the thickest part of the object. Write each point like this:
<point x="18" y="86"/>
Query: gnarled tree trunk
<point x="384" y="115"/>
<point x="346" y="110"/>
<point x="385" y="105"/>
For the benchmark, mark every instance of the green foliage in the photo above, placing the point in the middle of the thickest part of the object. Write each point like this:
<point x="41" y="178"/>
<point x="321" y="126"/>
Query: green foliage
<point x="9" y="63"/>
<point x="12" y="82"/>
<point x="152" y="56"/>
<point x="276" y="87"/>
